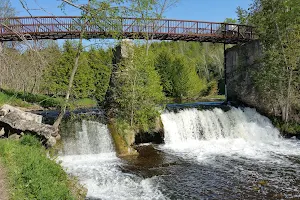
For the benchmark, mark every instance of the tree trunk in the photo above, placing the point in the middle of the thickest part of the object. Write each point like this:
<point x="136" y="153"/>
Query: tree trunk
<point x="67" y="97"/>
<point x="288" y="96"/>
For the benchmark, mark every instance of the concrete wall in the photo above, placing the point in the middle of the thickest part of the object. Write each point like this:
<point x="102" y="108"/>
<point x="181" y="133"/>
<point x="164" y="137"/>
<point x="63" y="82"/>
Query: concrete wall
<point x="242" y="62"/>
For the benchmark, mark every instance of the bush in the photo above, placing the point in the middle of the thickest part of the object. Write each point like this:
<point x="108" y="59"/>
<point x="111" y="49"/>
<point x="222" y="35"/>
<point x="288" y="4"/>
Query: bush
<point x="32" y="175"/>
<point x="286" y="128"/>
<point x="212" y="88"/>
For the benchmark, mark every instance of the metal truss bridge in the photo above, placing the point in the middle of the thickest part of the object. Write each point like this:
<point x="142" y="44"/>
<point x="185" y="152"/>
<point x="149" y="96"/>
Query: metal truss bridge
<point x="70" y="27"/>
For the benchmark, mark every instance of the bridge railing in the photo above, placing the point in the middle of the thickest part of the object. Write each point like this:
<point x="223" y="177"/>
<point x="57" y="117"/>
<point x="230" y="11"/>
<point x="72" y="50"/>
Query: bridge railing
<point x="167" y="27"/>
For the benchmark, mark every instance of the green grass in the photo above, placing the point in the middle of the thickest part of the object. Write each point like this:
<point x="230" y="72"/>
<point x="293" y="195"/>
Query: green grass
<point x="40" y="99"/>
<point x="12" y="100"/>
<point x="84" y="103"/>
<point x="215" y="97"/>
<point x="32" y="175"/>
<point x="27" y="100"/>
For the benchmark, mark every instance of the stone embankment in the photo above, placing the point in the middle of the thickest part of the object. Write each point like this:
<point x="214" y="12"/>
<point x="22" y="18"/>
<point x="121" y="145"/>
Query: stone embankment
<point x="14" y="123"/>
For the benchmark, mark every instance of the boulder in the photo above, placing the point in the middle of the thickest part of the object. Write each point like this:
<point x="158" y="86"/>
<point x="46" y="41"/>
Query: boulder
<point x="5" y="109"/>
<point x="20" y="121"/>
<point x="14" y="136"/>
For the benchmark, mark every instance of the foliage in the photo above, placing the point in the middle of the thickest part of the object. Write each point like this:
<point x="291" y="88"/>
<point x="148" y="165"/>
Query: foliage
<point x="138" y="89"/>
<point x="91" y="79"/>
<point x="286" y="128"/>
<point x="42" y="100"/>
<point x="242" y="15"/>
<point x="57" y="76"/>
<point x="277" y="24"/>
<point x="185" y="68"/>
<point x="6" y="9"/>
<point x="32" y="175"/>
<point x="100" y="62"/>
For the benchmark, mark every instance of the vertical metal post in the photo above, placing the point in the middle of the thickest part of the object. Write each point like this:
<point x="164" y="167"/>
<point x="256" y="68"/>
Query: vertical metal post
<point x="225" y="73"/>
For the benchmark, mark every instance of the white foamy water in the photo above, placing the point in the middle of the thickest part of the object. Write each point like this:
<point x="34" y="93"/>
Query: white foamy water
<point x="91" y="157"/>
<point x="202" y="135"/>
<point x="90" y="138"/>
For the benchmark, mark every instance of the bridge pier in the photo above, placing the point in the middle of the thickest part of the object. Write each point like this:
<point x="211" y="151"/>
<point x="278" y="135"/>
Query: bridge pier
<point x="123" y="50"/>
<point x="225" y="76"/>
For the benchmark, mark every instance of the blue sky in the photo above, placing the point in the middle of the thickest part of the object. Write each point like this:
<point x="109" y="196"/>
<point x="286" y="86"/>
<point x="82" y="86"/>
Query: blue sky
<point x="202" y="10"/>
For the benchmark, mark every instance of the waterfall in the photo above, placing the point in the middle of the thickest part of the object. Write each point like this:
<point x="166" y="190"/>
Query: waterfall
<point x="204" y="135"/>
<point x="194" y="125"/>
<point x="88" y="153"/>
<point x="91" y="137"/>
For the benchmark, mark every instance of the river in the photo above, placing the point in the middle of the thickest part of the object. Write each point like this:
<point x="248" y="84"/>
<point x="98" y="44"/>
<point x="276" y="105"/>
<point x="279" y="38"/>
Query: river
<point x="208" y="154"/>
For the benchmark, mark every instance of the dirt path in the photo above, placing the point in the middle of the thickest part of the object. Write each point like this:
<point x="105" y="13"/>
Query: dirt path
<point x="3" y="184"/>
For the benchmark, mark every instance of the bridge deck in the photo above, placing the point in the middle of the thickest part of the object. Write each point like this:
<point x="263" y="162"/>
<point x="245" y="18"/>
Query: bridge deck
<point x="35" y="28"/>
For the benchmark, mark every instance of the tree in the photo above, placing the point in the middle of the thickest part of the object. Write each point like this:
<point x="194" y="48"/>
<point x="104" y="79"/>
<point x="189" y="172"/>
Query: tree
<point x="242" y="15"/>
<point x="138" y="90"/>
<point x="147" y="10"/>
<point x="277" y="23"/>
<point x="100" y="62"/>
<point x="179" y="76"/>
<point x="6" y="9"/>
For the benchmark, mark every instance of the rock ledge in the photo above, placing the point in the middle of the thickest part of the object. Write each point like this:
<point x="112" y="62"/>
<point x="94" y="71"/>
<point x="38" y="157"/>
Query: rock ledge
<point x="15" y="120"/>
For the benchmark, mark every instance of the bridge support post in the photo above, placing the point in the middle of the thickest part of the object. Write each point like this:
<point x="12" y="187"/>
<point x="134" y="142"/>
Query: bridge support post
<point x="225" y="73"/>
<point x="122" y="51"/>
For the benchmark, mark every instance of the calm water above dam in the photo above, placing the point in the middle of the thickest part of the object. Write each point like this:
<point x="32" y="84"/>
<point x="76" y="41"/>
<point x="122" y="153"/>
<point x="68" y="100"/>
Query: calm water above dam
<point x="210" y="154"/>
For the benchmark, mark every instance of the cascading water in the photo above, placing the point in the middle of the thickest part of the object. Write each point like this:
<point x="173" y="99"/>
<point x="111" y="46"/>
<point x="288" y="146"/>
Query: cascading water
<point x="236" y="154"/>
<point x="193" y="125"/>
<point x="213" y="132"/>
<point x="208" y="154"/>
<point x="91" y="138"/>
<point x="90" y="155"/>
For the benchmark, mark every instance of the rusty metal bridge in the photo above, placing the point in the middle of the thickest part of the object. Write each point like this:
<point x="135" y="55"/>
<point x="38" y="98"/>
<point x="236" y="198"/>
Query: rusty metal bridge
<point x="70" y="27"/>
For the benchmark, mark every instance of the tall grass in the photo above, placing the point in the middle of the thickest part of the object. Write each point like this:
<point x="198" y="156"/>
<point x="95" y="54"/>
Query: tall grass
<point x="33" y="175"/>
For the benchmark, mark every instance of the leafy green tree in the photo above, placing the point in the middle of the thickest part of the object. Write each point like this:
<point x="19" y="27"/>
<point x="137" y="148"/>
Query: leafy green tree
<point x="138" y="89"/>
<point x="186" y="82"/>
<point x="100" y="62"/>
<point x="57" y="76"/>
<point x="179" y="67"/>
<point x="163" y="64"/>
<point x="277" y="24"/>
<point x="242" y="15"/>
<point x="230" y="21"/>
